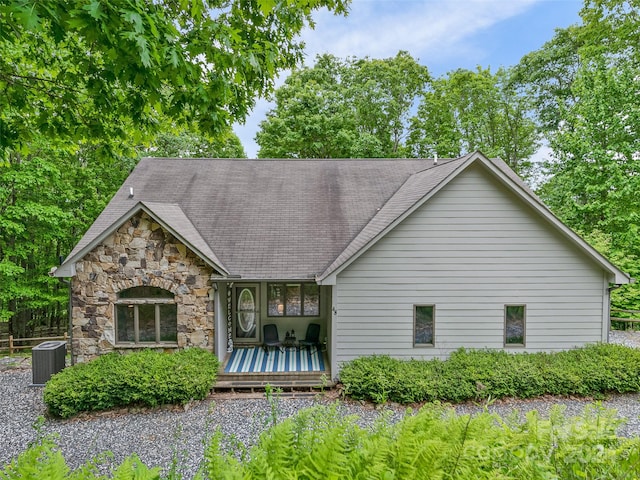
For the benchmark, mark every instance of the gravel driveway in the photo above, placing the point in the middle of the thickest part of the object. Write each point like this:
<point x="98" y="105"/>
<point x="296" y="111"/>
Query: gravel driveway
<point x="159" y="435"/>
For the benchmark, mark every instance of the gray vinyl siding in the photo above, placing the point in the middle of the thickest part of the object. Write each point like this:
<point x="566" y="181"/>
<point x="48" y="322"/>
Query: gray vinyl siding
<point x="470" y="250"/>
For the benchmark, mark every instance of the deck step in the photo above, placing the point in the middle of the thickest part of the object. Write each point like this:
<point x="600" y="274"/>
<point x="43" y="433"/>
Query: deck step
<point x="253" y="385"/>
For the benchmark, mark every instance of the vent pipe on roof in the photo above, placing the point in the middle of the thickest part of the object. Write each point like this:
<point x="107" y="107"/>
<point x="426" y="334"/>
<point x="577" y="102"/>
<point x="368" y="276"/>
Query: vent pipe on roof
<point x="435" y="159"/>
<point x="130" y="192"/>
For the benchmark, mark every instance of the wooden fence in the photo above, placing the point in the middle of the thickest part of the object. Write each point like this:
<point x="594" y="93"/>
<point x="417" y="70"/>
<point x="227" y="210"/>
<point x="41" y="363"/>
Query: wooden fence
<point x="628" y="320"/>
<point x="15" y="344"/>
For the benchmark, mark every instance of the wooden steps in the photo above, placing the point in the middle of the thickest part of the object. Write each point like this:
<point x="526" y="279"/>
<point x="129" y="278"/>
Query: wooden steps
<point x="289" y="381"/>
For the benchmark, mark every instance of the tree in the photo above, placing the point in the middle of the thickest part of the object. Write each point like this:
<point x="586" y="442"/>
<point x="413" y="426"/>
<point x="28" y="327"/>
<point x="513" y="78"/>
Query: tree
<point x="47" y="200"/>
<point x="78" y="69"/>
<point x="547" y="76"/>
<point x="312" y="117"/>
<point x="343" y="108"/>
<point x="186" y="143"/>
<point x="85" y="84"/>
<point x="596" y="173"/>
<point x="595" y="139"/>
<point x="383" y="93"/>
<point x="467" y="111"/>
<point x="592" y="126"/>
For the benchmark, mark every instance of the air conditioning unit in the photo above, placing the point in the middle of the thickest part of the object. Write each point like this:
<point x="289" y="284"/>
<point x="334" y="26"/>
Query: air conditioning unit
<point x="47" y="359"/>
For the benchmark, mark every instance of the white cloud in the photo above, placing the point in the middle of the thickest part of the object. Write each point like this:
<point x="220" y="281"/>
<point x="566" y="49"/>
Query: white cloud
<point x="428" y="30"/>
<point x="380" y="28"/>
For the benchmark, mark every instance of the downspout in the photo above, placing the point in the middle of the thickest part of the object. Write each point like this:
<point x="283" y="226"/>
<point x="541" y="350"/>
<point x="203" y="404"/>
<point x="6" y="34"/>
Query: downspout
<point x="70" y="320"/>
<point x="70" y="312"/>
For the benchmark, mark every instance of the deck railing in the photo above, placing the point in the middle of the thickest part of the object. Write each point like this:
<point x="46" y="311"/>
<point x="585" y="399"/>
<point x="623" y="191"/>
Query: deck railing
<point x="627" y="320"/>
<point x="14" y="344"/>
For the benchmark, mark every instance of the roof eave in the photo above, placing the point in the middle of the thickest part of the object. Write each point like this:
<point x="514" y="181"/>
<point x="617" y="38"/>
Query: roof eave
<point x="329" y="276"/>
<point x="66" y="270"/>
<point x="215" y="264"/>
<point x="68" y="267"/>
<point x="619" y="277"/>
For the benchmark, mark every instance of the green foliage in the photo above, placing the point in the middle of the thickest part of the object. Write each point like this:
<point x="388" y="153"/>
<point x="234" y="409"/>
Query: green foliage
<point x="626" y="296"/>
<point x="83" y="69"/>
<point x="584" y="85"/>
<point x="184" y="144"/>
<point x="547" y="76"/>
<point x="145" y="378"/>
<point x="47" y="199"/>
<point x="483" y="374"/>
<point x="466" y="111"/>
<point x="343" y="109"/>
<point x="365" y="108"/>
<point x="43" y="460"/>
<point x="88" y="84"/>
<point x="435" y="443"/>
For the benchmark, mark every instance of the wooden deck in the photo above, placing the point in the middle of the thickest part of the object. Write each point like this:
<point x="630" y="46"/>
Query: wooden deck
<point x="291" y="369"/>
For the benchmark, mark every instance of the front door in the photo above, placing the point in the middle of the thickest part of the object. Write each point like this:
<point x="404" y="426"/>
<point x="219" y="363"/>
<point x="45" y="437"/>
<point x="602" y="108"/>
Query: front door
<point x="246" y="322"/>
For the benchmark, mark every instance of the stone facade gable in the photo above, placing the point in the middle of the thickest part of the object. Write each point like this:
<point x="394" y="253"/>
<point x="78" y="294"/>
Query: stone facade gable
<point x="139" y="253"/>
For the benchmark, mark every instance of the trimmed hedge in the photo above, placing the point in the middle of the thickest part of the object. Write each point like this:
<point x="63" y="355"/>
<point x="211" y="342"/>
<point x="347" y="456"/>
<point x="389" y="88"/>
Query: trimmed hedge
<point x="145" y="378"/>
<point x="593" y="371"/>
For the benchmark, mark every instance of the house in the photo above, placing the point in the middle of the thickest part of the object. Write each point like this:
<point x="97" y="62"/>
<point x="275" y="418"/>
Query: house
<point x="408" y="257"/>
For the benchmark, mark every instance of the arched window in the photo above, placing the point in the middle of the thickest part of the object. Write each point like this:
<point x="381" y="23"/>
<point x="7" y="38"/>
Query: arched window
<point x="146" y="315"/>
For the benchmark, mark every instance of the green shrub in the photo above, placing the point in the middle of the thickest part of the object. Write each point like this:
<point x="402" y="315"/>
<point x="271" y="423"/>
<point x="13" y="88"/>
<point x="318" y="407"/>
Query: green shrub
<point x="593" y="370"/>
<point x="145" y="378"/>
<point x="434" y="443"/>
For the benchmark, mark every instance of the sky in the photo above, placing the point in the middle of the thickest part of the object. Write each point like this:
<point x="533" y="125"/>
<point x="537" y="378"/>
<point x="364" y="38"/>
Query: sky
<point x="442" y="34"/>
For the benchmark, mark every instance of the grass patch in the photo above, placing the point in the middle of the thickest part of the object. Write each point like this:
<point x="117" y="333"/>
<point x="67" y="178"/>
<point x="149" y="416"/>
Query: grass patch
<point x="594" y="370"/>
<point x="145" y="378"/>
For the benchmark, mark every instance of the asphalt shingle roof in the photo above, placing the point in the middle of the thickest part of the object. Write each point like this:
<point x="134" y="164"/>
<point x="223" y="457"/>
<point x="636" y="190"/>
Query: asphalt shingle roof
<point x="271" y="219"/>
<point x="288" y="219"/>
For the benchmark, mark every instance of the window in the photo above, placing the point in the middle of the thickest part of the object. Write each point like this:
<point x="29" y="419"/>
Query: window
<point x="246" y="298"/>
<point x="293" y="300"/>
<point x="146" y="315"/>
<point x="423" y="323"/>
<point x="514" y="325"/>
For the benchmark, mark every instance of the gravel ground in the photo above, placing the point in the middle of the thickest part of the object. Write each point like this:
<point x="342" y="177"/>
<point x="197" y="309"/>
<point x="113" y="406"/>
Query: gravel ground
<point x="159" y="435"/>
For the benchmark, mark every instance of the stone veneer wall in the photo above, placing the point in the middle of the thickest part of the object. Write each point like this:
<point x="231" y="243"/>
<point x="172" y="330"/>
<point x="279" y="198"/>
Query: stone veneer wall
<point x="139" y="253"/>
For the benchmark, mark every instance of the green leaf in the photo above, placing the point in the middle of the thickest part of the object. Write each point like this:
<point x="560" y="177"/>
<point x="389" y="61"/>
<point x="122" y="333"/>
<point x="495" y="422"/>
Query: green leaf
<point x="94" y="8"/>
<point x="266" y="6"/>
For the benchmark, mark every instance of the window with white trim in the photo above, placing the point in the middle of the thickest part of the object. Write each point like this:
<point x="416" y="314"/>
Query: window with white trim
<point x="146" y="315"/>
